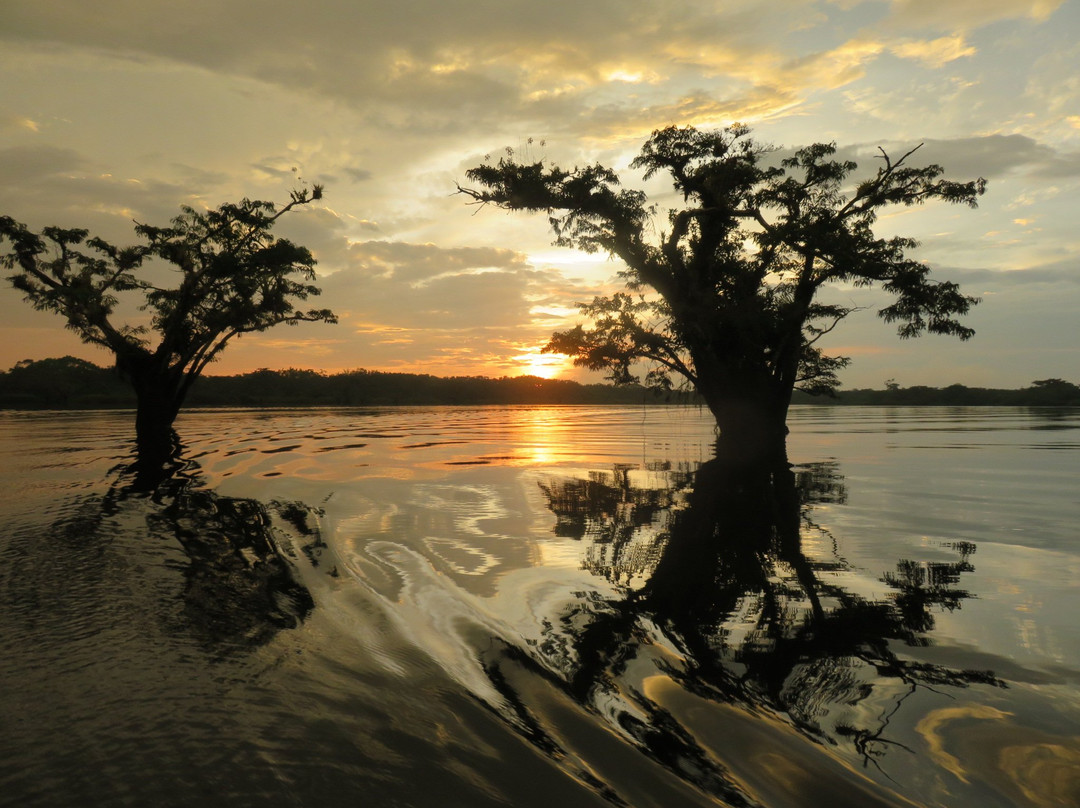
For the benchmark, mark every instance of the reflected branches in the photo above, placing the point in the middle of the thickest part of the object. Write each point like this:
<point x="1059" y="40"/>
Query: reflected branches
<point x="729" y="589"/>
<point x="624" y="518"/>
<point x="240" y="590"/>
<point x="240" y="585"/>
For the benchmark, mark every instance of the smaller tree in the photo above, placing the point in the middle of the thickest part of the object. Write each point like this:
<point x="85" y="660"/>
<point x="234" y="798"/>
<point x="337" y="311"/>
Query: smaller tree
<point x="232" y="278"/>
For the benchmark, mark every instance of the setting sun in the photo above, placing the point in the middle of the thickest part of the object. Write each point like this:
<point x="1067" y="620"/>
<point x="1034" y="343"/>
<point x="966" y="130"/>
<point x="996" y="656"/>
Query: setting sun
<point x="546" y="366"/>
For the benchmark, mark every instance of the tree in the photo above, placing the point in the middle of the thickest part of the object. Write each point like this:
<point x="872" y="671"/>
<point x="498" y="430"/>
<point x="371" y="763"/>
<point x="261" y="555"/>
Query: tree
<point x="232" y="278"/>
<point x="736" y="270"/>
<point x="1051" y="392"/>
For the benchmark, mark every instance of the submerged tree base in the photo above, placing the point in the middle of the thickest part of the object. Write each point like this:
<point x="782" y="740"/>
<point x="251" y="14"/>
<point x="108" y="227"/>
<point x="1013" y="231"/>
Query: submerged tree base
<point x="158" y="457"/>
<point x="754" y="442"/>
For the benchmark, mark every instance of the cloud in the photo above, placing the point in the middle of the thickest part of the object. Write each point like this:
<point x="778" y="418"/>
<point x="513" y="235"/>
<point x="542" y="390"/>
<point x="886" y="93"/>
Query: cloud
<point x="31" y="164"/>
<point x="357" y="174"/>
<point x="990" y="156"/>
<point x="934" y="52"/>
<point x="464" y="67"/>
<point x="321" y="230"/>
<point x="425" y="64"/>
<point x="1054" y="84"/>
<point x="965" y="15"/>
<point x="1065" y="272"/>
<point x="199" y="178"/>
<point x="46" y="185"/>
<point x="419" y="307"/>
<point x="755" y="86"/>
<point x="995" y="155"/>
<point x="833" y="68"/>
<point x="917" y="103"/>
<point x="10" y="123"/>
<point x="419" y="264"/>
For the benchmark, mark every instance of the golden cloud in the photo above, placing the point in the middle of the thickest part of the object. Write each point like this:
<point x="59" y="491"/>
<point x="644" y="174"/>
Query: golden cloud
<point x="934" y="52"/>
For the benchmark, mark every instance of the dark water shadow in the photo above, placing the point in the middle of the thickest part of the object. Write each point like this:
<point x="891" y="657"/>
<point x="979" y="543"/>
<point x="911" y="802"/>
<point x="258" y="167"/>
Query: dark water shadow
<point x="719" y="595"/>
<point x="240" y="586"/>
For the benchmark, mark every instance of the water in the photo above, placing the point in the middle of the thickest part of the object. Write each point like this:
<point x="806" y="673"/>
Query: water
<point x="515" y="606"/>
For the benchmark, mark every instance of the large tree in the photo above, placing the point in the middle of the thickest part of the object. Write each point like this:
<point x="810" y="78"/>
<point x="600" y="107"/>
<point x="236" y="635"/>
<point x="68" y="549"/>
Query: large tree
<point x="207" y="278"/>
<point x="725" y="293"/>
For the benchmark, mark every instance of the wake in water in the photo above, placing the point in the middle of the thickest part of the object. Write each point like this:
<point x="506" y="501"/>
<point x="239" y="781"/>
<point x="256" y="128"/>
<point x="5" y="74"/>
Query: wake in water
<point x="718" y="640"/>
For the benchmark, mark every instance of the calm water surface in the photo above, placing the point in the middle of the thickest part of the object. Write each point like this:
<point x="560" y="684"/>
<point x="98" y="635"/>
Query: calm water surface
<point x="512" y="606"/>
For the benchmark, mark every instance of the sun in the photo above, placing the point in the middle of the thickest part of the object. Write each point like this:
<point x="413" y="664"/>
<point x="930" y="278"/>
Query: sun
<point x="546" y="366"/>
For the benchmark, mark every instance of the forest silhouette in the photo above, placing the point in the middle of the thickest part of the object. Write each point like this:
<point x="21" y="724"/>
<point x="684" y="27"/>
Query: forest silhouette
<point x="71" y="383"/>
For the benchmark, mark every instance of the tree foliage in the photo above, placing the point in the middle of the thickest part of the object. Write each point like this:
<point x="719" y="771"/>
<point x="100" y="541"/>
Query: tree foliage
<point x="736" y="268"/>
<point x="230" y="277"/>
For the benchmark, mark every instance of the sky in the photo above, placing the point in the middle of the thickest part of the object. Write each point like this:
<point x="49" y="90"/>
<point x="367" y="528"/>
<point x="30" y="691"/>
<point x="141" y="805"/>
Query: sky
<point x="118" y="111"/>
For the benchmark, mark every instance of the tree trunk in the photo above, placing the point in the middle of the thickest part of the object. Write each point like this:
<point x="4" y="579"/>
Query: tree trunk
<point x="743" y="392"/>
<point x="158" y="398"/>
<point x="751" y="418"/>
<point x="155" y="440"/>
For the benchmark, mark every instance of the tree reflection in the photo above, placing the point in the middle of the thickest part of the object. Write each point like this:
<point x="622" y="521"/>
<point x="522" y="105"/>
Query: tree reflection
<point x="240" y="587"/>
<point x="724" y="568"/>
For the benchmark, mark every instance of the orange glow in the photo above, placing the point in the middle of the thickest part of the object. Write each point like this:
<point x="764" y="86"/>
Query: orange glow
<point x="546" y="366"/>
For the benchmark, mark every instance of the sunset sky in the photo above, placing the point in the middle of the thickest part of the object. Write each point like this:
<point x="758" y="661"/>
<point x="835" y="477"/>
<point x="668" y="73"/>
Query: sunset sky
<point x="126" y="109"/>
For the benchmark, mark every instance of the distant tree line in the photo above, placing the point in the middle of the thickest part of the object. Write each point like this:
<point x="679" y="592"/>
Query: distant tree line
<point x="1041" y="393"/>
<point x="70" y="383"/>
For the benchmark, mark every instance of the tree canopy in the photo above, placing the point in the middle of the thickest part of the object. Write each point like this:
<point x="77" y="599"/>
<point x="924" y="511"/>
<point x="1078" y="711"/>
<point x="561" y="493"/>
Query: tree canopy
<point x="722" y="291"/>
<point x="229" y="276"/>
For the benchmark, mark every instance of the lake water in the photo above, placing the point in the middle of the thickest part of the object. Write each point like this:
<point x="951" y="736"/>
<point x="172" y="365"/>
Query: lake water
<point x="527" y="606"/>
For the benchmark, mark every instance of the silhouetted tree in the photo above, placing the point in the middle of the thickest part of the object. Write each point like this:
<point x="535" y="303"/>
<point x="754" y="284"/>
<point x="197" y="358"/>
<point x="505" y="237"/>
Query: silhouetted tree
<point x="739" y="267"/>
<point x="234" y="278"/>
<point x="1053" y="392"/>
